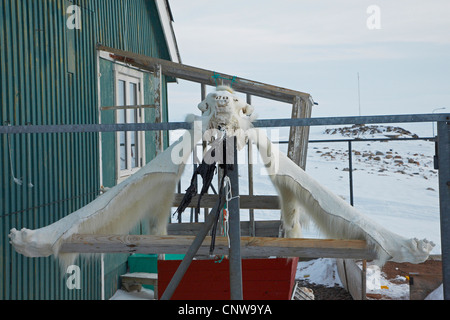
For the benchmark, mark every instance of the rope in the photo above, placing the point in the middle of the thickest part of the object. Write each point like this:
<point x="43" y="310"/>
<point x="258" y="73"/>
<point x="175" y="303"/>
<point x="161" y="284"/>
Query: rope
<point x="225" y="219"/>
<point x="218" y="76"/>
<point x="50" y="204"/>
<point x="225" y="230"/>
<point x="228" y="198"/>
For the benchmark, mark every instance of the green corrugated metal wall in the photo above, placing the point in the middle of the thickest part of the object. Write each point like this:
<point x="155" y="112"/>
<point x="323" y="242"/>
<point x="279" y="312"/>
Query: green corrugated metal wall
<point x="48" y="75"/>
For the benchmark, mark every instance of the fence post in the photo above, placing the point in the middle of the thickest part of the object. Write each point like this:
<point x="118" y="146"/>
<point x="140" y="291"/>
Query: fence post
<point x="444" y="199"/>
<point x="252" y="230"/>
<point x="350" y="170"/>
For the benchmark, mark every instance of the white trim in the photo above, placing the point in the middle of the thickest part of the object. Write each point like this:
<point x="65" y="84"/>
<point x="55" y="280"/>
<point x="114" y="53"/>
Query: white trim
<point x="169" y="34"/>
<point x="128" y="72"/>
<point x="105" y="55"/>
<point x="99" y="102"/>
<point x="100" y="151"/>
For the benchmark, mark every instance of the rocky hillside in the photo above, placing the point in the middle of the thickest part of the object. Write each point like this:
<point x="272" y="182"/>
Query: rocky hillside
<point x="359" y="130"/>
<point x="393" y="156"/>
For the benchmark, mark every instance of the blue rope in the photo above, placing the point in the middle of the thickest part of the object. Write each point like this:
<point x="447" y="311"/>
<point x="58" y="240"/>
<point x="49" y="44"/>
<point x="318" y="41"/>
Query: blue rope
<point x="218" y="76"/>
<point x="223" y="228"/>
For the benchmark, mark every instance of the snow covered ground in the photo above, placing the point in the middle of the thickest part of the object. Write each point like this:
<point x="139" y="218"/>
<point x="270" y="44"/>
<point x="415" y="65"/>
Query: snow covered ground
<point x="394" y="183"/>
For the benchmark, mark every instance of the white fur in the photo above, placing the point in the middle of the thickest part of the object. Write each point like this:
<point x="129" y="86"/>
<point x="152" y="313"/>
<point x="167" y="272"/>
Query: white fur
<point x="301" y="195"/>
<point x="150" y="193"/>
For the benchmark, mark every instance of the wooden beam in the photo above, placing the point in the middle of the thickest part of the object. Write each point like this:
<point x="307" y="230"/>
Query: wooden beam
<point x="203" y="76"/>
<point x="143" y="106"/>
<point x="250" y="246"/>
<point x="262" y="228"/>
<point x="158" y="96"/>
<point x="247" y="202"/>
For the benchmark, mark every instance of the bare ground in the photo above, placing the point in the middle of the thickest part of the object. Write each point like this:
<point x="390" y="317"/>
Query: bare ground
<point x="391" y="271"/>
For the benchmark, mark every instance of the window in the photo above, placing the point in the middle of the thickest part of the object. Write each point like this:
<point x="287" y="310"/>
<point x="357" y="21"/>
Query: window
<point x="130" y="145"/>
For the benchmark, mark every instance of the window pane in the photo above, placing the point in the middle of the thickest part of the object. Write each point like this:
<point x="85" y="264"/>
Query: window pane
<point x="133" y="119"/>
<point x="123" y="150"/>
<point x="133" y="94"/>
<point x="121" y="94"/>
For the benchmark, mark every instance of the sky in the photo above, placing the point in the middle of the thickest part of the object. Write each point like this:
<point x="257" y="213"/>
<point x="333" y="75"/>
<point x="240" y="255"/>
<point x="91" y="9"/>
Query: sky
<point x="400" y="50"/>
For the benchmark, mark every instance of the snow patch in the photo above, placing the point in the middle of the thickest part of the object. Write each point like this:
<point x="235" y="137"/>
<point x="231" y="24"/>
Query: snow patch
<point x="144" y="294"/>
<point x="321" y="271"/>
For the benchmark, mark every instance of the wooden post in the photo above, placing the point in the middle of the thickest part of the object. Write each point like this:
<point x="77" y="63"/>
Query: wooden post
<point x="157" y="89"/>
<point x="298" y="139"/>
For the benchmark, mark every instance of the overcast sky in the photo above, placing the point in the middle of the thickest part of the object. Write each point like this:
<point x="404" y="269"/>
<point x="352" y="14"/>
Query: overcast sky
<point x="400" y="48"/>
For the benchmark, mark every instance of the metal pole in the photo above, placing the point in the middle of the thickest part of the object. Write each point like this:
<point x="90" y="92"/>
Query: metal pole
<point x="235" y="232"/>
<point x="192" y="251"/>
<point x="433" y="113"/>
<point x="350" y="170"/>
<point x="274" y="123"/>
<point x="443" y="129"/>
<point x="250" y="179"/>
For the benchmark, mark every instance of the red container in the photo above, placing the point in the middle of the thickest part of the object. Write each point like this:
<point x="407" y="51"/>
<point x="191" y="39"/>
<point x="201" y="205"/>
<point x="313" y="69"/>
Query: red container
<point x="262" y="279"/>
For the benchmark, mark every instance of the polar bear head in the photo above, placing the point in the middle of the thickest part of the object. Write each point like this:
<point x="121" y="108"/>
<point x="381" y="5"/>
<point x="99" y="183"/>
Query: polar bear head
<point x="226" y="110"/>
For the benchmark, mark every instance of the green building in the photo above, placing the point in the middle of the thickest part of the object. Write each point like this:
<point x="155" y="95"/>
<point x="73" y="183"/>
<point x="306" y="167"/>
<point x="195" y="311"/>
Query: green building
<point x="52" y="73"/>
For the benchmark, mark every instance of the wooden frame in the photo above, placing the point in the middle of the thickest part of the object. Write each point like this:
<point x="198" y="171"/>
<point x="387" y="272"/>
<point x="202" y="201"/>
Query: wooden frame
<point x="203" y="76"/>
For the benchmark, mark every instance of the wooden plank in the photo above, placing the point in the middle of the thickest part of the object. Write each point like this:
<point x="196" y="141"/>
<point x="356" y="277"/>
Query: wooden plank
<point x="352" y="277"/>
<point x="246" y="202"/>
<point x="262" y="228"/>
<point x="250" y="246"/>
<point x="143" y="276"/>
<point x="203" y="76"/>
<point x="143" y="106"/>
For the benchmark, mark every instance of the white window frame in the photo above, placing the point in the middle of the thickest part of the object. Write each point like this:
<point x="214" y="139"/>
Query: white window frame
<point x="128" y="75"/>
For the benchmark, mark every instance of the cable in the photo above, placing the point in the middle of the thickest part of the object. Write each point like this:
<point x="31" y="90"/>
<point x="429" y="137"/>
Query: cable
<point x="51" y="203"/>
